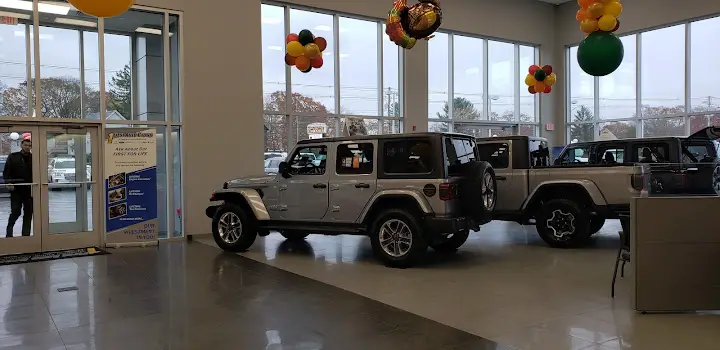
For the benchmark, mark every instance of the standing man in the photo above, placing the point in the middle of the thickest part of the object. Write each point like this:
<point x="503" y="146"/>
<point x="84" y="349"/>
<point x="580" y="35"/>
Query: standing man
<point x="18" y="170"/>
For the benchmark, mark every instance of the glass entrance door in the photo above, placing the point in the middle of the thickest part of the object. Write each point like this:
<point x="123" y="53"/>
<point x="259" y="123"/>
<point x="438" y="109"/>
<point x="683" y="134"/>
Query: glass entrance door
<point x="19" y="187"/>
<point x="48" y="197"/>
<point x="68" y="187"/>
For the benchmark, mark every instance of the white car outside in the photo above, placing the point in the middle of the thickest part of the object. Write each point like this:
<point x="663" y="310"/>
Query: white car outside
<point x="61" y="172"/>
<point x="271" y="165"/>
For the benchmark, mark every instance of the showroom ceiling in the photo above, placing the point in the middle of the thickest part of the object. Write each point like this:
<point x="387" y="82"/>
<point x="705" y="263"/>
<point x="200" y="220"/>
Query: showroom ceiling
<point x="556" y="2"/>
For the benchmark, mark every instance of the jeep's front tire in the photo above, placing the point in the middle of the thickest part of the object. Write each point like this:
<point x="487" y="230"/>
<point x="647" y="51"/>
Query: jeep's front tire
<point x="294" y="235"/>
<point x="451" y="244"/>
<point x="398" y="239"/>
<point x="233" y="230"/>
<point x="562" y="223"/>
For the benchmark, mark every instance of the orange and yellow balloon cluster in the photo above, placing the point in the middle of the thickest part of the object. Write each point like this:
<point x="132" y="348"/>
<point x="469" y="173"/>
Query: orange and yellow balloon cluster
<point x="540" y="80"/>
<point x="599" y="15"/>
<point x="104" y="8"/>
<point x="304" y="50"/>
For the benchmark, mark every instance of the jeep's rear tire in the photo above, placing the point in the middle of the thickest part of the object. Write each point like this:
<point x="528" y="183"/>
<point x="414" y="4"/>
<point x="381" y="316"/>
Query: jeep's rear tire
<point x="398" y="239"/>
<point x="562" y="223"/>
<point x="294" y="235"/>
<point x="478" y="194"/>
<point x="596" y="223"/>
<point x="233" y="230"/>
<point x="451" y="244"/>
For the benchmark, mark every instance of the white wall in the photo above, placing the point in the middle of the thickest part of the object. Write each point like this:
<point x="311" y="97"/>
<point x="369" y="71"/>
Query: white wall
<point x="222" y="119"/>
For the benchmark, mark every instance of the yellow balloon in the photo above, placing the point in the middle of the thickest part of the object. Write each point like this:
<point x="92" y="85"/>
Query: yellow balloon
<point x="530" y="80"/>
<point x="607" y="23"/>
<point x="613" y="9"/>
<point x="589" y="25"/>
<point x="104" y="8"/>
<point x="295" y="49"/>
<point x="550" y="80"/>
<point x="312" y="50"/>
<point x="596" y="9"/>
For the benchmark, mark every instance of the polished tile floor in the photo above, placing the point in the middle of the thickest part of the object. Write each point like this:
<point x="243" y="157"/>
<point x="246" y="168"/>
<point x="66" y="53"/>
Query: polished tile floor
<point x="194" y="296"/>
<point x="504" y="285"/>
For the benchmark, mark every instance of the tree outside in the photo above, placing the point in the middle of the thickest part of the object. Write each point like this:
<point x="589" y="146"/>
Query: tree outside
<point x="583" y="132"/>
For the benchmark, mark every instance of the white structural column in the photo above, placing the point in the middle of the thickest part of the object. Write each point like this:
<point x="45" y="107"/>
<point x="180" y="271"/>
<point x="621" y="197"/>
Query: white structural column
<point x="415" y="85"/>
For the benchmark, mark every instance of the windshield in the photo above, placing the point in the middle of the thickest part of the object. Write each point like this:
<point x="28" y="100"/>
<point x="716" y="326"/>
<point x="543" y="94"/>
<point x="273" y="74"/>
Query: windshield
<point x="65" y="164"/>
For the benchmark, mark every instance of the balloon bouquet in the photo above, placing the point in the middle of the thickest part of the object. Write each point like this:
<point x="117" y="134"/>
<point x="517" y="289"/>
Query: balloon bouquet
<point x="602" y="52"/>
<point x="405" y="25"/>
<point x="105" y="8"/>
<point x="540" y="80"/>
<point x="304" y="50"/>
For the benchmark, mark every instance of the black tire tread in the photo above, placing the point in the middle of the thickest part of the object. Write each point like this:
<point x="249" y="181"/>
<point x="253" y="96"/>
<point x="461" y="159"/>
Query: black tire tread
<point x="582" y="223"/>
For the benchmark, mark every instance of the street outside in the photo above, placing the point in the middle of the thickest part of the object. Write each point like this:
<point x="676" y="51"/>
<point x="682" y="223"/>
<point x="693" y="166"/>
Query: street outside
<point x="62" y="206"/>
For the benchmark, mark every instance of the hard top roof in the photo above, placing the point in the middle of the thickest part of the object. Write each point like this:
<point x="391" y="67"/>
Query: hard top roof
<point x="382" y="137"/>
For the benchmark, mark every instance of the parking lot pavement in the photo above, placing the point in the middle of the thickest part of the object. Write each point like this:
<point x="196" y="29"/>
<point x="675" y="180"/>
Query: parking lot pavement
<point x="62" y="206"/>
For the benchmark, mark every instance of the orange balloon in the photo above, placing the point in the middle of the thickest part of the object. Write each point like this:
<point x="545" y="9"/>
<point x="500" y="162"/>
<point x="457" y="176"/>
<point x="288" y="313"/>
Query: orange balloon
<point x="321" y="43"/>
<point x="105" y="8"/>
<point x="581" y="15"/>
<point x="302" y="63"/>
<point x="585" y="3"/>
<point x="540" y="86"/>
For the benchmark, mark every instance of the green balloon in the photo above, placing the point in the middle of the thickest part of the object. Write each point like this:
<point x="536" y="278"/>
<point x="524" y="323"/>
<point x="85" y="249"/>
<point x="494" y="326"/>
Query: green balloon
<point x="305" y="37"/>
<point x="540" y="75"/>
<point x="600" y="54"/>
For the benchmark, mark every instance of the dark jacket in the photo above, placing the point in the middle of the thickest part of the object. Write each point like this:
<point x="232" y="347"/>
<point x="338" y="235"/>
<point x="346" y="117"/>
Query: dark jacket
<point x="18" y="169"/>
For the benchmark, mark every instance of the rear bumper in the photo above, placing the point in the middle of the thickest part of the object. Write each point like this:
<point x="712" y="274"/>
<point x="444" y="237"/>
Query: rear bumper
<point x="444" y="225"/>
<point x="210" y="211"/>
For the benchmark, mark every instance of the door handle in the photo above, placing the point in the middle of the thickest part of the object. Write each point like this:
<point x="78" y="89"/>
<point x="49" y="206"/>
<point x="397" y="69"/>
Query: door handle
<point x="319" y="186"/>
<point x="282" y="188"/>
<point x="500" y="178"/>
<point x="362" y="185"/>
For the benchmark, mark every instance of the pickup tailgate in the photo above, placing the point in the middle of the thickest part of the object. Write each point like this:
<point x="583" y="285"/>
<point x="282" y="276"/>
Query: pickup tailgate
<point x="614" y="185"/>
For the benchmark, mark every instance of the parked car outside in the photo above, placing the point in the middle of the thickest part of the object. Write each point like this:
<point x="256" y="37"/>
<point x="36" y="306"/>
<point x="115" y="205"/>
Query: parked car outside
<point x="61" y="172"/>
<point x="271" y="165"/>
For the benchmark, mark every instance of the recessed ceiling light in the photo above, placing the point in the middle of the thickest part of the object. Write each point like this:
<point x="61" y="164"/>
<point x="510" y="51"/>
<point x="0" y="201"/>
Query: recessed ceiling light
<point x="275" y="48"/>
<point x="75" y="22"/>
<point x="14" y="15"/>
<point x="323" y="28"/>
<point x="149" y="30"/>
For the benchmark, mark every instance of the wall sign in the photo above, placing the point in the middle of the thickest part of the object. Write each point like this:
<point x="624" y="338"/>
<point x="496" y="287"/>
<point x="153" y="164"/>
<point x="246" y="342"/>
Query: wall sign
<point x="131" y="187"/>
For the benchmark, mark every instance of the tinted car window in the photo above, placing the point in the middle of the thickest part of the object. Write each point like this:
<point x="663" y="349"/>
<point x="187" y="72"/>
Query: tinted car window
<point x="303" y="161"/>
<point x="458" y="152"/>
<point x="539" y="153"/>
<point x="651" y="153"/>
<point x="408" y="157"/>
<point x="609" y="154"/>
<point x="575" y="155"/>
<point x="497" y="154"/>
<point x="696" y="152"/>
<point x="355" y="158"/>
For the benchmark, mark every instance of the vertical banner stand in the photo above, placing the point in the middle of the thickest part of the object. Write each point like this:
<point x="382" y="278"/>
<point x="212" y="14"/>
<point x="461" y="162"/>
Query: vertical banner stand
<point x="131" y="188"/>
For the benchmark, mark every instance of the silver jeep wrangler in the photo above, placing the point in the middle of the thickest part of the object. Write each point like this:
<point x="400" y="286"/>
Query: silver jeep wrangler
<point x="406" y="192"/>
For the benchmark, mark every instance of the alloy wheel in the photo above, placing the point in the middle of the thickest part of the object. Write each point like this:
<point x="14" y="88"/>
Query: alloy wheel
<point x="395" y="238"/>
<point x="229" y="227"/>
<point x="562" y="224"/>
<point x="488" y="192"/>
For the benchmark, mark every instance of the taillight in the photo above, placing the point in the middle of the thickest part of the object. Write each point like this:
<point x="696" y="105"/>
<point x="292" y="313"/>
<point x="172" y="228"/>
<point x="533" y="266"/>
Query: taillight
<point x="212" y="197"/>
<point x="638" y="182"/>
<point x="447" y="191"/>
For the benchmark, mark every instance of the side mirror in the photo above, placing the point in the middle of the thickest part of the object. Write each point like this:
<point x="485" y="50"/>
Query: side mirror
<point x="283" y="169"/>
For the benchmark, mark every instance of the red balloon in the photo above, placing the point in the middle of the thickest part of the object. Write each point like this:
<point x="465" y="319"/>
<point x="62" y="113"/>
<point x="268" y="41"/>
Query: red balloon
<point x="534" y="68"/>
<point x="316" y="62"/>
<point x="531" y="89"/>
<point x="289" y="60"/>
<point x="291" y="37"/>
<point x="547" y="69"/>
<point x="321" y="43"/>
<point x="547" y="89"/>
